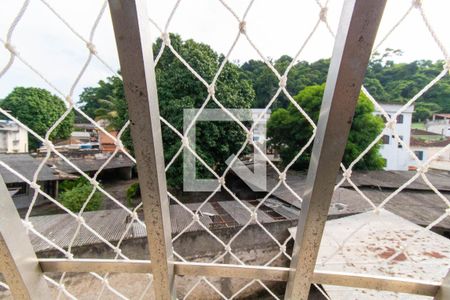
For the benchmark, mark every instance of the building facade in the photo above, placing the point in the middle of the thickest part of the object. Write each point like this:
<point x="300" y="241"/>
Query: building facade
<point x="425" y="150"/>
<point x="396" y="156"/>
<point x="440" y="124"/>
<point x="13" y="138"/>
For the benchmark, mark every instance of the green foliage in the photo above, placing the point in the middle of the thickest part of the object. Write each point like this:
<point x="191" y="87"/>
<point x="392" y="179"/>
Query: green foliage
<point x="266" y="84"/>
<point x="289" y="131"/>
<point x="178" y="89"/>
<point x="425" y="111"/>
<point x="133" y="192"/>
<point x="67" y="185"/>
<point x="39" y="110"/>
<point x="75" y="197"/>
<point x="387" y="81"/>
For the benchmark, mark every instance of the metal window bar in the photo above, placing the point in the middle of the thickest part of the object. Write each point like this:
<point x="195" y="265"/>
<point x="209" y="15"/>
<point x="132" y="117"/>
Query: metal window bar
<point x="354" y="40"/>
<point x="138" y="70"/>
<point x="134" y="44"/>
<point x="18" y="262"/>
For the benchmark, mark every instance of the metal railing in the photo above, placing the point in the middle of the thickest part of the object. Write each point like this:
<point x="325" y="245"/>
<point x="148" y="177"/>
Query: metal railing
<point x="354" y="41"/>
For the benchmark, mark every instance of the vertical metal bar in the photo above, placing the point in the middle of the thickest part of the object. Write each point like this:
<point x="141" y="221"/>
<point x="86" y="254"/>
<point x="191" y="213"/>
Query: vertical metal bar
<point x="357" y="29"/>
<point x="131" y="28"/>
<point x="18" y="262"/>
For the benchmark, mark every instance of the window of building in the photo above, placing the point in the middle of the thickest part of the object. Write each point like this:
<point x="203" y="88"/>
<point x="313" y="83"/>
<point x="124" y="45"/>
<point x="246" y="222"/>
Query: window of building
<point x="385" y="139"/>
<point x="399" y="144"/>
<point x="419" y="154"/>
<point x="400" y="119"/>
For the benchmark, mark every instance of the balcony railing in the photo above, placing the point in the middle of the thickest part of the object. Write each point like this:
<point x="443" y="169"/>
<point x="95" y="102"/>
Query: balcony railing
<point x="28" y="277"/>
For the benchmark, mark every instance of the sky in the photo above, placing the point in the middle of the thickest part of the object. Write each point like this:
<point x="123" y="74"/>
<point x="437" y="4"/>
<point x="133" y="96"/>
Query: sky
<point x="277" y="27"/>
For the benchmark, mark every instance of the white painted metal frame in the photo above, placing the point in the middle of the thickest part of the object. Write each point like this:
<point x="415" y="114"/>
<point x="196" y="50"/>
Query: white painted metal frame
<point x="354" y="41"/>
<point x="356" y="34"/>
<point x="18" y="262"/>
<point x="134" y="44"/>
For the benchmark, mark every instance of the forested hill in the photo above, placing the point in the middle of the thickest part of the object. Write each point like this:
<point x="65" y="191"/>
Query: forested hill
<point x="387" y="81"/>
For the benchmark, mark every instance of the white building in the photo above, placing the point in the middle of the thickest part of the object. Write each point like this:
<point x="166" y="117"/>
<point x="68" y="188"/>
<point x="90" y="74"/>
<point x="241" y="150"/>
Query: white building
<point x="425" y="150"/>
<point x="13" y="138"/>
<point x="397" y="158"/>
<point x="260" y="131"/>
<point x="440" y="124"/>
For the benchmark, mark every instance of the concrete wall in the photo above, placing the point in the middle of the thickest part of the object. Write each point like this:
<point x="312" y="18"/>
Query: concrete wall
<point x="441" y="163"/>
<point x="253" y="247"/>
<point x="439" y="126"/>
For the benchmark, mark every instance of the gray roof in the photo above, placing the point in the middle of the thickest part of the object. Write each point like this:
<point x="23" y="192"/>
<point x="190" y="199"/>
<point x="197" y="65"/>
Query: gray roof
<point x="90" y="164"/>
<point x="25" y="165"/>
<point x="416" y="203"/>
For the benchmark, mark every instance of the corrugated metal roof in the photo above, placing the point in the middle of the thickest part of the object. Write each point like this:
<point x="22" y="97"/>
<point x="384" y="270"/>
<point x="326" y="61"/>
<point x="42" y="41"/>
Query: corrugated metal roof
<point x="111" y="224"/>
<point x="60" y="228"/>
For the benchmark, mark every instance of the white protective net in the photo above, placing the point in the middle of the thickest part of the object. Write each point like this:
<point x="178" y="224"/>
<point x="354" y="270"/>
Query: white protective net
<point x="251" y="213"/>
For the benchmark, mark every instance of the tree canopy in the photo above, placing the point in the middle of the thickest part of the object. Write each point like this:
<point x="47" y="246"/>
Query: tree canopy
<point x="178" y="89"/>
<point x="39" y="110"/>
<point x="289" y="131"/>
<point x="386" y="80"/>
<point x="301" y="75"/>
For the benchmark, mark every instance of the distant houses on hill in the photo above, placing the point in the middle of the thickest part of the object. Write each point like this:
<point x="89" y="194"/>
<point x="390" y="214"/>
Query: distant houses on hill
<point x="88" y="149"/>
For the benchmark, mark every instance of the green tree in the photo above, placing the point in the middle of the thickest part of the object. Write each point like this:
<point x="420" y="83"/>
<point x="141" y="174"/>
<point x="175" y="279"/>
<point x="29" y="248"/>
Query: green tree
<point x="394" y="82"/>
<point x="104" y="101"/>
<point x="386" y="80"/>
<point x="289" y="131"/>
<point x="424" y="111"/>
<point x="39" y="110"/>
<point x="265" y="83"/>
<point x="178" y="89"/>
<point x="74" y="198"/>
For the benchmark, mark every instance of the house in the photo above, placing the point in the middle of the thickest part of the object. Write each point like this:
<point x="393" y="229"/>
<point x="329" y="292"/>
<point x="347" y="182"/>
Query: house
<point x="85" y="139"/>
<point x="426" y="149"/>
<point x="440" y="124"/>
<point x="26" y="166"/>
<point x="107" y="144"/>
<point x="397" y="158"/>
<point x="13" y="138"/>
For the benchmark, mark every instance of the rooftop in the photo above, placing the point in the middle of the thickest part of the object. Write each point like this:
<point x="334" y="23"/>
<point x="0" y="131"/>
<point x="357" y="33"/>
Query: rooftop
<point x="91" y="163"/>
<point x="111" y="224"/>
<point x="6" y="125"/>
<point x="373" y="251"/>
<point x="26" y="165"/>
<point x="416" y="203"/>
